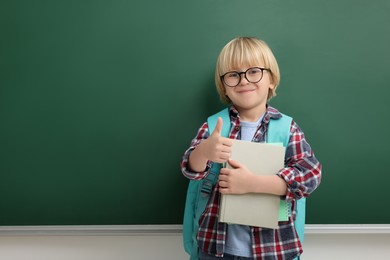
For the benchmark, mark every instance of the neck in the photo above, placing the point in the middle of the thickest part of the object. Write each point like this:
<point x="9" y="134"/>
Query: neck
<point x="251" y="115"/>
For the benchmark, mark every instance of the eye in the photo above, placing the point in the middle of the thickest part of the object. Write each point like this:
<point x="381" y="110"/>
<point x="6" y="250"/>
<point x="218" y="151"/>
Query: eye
<point x="254" y="71"/>
<point x="232" y="75"/>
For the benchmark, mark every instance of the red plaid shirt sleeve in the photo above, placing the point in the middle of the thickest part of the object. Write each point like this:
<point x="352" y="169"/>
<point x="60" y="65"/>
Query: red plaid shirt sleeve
<point x="303" y="171"/>
<point x="202" y="134"/>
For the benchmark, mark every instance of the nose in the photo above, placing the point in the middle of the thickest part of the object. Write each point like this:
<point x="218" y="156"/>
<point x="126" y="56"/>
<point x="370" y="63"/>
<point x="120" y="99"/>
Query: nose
<point x="242" y="78"/>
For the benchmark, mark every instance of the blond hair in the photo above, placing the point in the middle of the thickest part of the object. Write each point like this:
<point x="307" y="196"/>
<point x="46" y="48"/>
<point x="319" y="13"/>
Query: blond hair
<point x="245" y="52"/>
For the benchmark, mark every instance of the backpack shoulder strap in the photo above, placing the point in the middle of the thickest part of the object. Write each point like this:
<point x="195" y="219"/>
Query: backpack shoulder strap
<point x="279" y="130"/>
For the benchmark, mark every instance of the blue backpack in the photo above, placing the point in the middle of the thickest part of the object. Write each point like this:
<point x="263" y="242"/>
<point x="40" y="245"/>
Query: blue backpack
<point x="198" y="191"/>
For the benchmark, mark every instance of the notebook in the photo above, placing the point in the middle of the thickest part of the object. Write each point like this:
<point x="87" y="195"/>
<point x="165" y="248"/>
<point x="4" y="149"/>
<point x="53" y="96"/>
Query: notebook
<point x="254" y="209"/>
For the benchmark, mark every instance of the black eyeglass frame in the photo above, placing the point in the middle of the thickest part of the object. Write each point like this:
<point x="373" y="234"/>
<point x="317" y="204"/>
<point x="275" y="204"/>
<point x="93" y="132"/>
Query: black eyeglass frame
<point x="243" y="72"/>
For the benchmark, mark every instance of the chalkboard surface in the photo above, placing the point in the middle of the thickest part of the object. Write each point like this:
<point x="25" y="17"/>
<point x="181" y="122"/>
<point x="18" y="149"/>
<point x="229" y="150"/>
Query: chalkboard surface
<point x="99" y="100"/>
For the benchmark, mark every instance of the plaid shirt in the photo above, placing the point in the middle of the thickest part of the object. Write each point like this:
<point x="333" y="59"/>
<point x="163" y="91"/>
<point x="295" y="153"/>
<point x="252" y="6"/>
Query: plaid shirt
<point x="302" y="175"/>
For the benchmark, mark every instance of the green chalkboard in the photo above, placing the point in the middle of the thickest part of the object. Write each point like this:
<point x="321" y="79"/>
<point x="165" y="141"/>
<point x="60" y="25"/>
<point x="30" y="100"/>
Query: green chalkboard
<point x="99" y="100"/>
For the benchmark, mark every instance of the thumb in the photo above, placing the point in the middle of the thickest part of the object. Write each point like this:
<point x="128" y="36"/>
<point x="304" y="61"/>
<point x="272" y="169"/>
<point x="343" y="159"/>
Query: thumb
<point x="218" y="127"/>
<point x="235" y="164"/>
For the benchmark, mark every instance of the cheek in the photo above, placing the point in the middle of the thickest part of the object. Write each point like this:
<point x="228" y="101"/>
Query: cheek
<point x="226" y="92"/>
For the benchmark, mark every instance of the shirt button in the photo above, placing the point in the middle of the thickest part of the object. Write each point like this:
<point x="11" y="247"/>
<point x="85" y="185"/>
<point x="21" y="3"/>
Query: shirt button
<point x="237" y="128"/>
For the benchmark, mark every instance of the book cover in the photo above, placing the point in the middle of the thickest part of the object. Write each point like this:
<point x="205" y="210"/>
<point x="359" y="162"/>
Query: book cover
<point x="254" y="209"/>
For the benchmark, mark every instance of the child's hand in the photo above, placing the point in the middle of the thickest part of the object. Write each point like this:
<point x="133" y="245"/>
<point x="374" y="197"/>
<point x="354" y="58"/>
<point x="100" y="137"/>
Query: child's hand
<point x="217" y="148"/>
<point x="238" y="180"/>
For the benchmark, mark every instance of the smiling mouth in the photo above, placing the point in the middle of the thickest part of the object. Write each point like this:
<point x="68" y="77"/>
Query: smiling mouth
<point x="245" y="90"/>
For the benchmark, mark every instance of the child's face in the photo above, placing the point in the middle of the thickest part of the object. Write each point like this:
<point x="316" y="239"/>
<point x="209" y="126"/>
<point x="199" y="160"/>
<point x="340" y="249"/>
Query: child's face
<point x="247" y="96"/>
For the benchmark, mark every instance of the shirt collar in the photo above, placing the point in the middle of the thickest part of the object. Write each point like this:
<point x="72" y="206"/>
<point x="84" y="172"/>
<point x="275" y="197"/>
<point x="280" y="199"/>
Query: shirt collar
<point x="270" y="113"/>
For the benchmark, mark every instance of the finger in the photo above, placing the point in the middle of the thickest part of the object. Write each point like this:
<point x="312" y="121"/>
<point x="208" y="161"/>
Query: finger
<point x="227" y="141"/>
<point x="223" y="184"/>
<point x="223" y="171"/>
<point x="224" y="157"/>
<point x="223" y="190"/>
<point x="218" y="127"/>
<point x="226" y="150"/>
<point x="222" y="176"/>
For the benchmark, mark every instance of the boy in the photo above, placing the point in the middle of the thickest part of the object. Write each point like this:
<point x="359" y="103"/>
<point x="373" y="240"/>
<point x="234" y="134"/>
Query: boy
<point x="247" y="76"/>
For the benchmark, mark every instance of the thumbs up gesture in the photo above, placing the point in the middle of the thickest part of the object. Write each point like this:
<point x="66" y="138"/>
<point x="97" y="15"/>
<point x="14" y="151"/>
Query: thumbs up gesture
<point x="217" y="148"/>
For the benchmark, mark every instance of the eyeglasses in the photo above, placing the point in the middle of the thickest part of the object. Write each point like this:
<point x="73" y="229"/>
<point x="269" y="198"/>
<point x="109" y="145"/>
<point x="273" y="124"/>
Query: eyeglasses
<point x="252" y="75"/>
